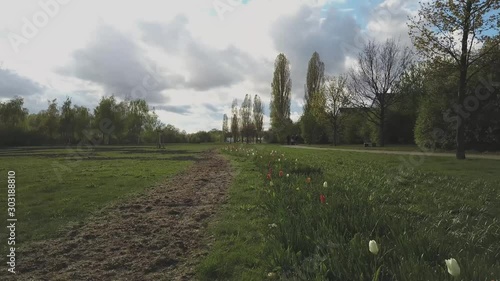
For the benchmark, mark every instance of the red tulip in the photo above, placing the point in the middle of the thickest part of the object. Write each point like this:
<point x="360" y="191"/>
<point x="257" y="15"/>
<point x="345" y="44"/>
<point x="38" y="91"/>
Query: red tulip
<point x="322" y="198"/>
<point x="269" y="176"/>
<point x="281" y="173"/>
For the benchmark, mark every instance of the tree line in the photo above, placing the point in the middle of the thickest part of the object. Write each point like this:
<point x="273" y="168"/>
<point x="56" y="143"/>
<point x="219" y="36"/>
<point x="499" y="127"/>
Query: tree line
<point x="246" y="122"/>
<point x="446" y="95"/>
<point x="110" y="122"/>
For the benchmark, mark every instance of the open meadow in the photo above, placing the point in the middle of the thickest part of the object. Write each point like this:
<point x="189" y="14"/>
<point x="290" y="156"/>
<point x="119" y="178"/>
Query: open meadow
<point x="289" y="213"/>
<point x="57" y="187"/>
<point x="301" y="214"/>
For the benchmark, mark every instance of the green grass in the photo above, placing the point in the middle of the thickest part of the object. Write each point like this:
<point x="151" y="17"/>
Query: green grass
<point x="409" y="147"/>
<point x="58" y="187"/>
<point x="398" y="147"/>
<point x="419" y="214"/>
<point x="239" y="251"/>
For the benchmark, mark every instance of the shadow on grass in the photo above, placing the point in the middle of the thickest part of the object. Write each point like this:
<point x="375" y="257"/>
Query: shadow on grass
<point x="84" y="152"/>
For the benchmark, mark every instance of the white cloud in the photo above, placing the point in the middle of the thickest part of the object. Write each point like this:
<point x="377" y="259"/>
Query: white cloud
<point x="93" y="48"/>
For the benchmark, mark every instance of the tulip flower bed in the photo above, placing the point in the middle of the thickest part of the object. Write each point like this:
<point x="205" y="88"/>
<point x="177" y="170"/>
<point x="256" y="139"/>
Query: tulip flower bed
<point x="335" y="216"/>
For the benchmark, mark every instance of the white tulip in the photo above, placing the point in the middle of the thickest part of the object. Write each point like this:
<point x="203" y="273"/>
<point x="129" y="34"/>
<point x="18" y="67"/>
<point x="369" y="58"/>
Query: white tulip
<point x="325" y="184"/>
<point x="271" y="183"/>
<point x="287" y="175"/>
<point x="373" y="247"/>
<point x="453" y="267"/>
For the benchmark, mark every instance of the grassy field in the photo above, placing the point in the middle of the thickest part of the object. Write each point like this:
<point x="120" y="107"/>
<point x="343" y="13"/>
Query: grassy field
<point x="419" y="212"/>
<point x="412" y="148"/>
<point x="57" y="187"/>
<point x="396" y="147"/>
<point x="419" y="215"/>
<point x="239" y="252"/>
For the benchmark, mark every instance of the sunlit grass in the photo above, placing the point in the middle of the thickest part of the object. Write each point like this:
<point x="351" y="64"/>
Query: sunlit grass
<point x="419" y="215"/>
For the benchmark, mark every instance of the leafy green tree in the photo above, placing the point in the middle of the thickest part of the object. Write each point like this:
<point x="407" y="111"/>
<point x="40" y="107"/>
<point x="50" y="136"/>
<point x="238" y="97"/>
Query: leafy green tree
<point x="225" y="127"/>
<point x="247" y="125"/>
<point x="434" y="33"/>
<point x="401" y="118"/>
<point x="137" y="112"/>
<point x="50" y="123"/>
<point x="67" y="121"/>
<point x="13" y="121"/>
<point x="258" y="116"/>
<point x="235" y="122"/>
<point x="280" y="97"/>
<point x="315" y="78"/>
<point x="12" y="112"/>
<point x="110" y="119"/>
<point x="82" y="122"/>
<point x="313" y="123"/>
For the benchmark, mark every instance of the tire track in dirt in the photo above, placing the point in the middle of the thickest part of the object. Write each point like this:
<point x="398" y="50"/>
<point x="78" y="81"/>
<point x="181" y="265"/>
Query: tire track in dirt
<point x="154" y="236"/>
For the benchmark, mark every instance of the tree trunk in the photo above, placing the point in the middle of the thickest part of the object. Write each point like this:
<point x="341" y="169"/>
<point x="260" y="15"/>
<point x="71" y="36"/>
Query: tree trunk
<point x="334" y="134"/>
<point x="382" y="127"/>
<point x="460" y="133"/>
<point x="462" y="84"/>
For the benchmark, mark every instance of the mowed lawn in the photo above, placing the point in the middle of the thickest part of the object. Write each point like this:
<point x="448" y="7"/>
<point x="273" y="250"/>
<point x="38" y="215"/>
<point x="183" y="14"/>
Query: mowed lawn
<point x="57" y="187"/>
<point x="420" y="214"/>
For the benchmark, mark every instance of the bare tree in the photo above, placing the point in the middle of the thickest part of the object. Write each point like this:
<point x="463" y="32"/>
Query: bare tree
<point x="372" y="81"/>
<point x="336" y="97"/>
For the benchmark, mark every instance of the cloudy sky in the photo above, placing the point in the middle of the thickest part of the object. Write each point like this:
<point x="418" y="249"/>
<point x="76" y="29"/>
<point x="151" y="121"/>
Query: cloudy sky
<point x="187" y="58"/>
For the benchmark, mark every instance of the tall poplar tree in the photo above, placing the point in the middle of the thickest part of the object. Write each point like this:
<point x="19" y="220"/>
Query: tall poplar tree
<point x="280" y="97"/>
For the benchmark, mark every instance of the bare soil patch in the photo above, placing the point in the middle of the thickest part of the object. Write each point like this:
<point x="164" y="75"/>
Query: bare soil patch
<point x="155" y="236"/>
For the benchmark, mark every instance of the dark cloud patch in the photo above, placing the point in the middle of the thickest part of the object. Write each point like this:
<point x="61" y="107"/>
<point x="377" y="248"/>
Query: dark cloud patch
<point x="333" y="38"/>
<point x="115" y="62"/>
<point x="211" y="107"/>
<point x="169" y="36"/>
<point x="179" y="109"/>
<point x="13" y="84"/>
<point x="208" y="67"/>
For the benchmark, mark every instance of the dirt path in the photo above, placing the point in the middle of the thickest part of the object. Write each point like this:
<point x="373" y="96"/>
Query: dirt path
<point x="440" y="154"/>
<point x="155" y="236"/>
